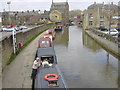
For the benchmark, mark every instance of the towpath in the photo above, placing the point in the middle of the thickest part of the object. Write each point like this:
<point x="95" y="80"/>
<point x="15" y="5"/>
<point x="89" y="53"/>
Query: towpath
<point x="17" y="74"/>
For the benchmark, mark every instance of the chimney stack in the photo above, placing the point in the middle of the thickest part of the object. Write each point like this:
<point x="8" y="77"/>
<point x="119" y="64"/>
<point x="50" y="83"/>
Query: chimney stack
<point x="103" y="3"/>
<point x="111" y="3"/>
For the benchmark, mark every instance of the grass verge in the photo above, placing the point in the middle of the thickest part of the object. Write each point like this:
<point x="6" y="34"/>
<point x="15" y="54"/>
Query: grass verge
<point x="13" y="56"/>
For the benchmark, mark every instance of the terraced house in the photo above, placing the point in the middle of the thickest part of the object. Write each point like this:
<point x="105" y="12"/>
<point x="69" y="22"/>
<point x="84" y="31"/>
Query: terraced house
<point x="24" y="17"/>
<point x="100" y="14"/>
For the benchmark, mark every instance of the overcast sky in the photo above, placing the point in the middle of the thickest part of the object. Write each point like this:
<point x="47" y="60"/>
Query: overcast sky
<point x="23" y="5"/>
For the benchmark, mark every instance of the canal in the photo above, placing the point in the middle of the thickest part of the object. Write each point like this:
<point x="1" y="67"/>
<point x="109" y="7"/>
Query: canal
<point x="83" y="62"/>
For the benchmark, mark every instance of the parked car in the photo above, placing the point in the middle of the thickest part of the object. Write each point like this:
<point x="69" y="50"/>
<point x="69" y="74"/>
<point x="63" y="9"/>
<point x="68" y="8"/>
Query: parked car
<point x="9" y="29"/>
<point x="1" y="28"/>
<point x="17" y="28"/>
<point x="118" y="34"/>
<point x="103" y="28"/>
<point x="112" y="32"/>
<point x="106" y="32"/>
<point x="10" y="26"/>
<point x="23" y="27"/>
<point x="118" y="28"/>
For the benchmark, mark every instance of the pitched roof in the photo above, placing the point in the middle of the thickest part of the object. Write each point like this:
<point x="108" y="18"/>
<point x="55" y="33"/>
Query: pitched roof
<point x="59" y="3"/>
<point x="101" y="5"/>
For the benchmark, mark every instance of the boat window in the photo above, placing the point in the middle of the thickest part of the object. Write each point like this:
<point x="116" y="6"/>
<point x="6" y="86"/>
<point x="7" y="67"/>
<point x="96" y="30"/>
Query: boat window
<point x="50" y="33"/>
<point x="46" y="36"/>
<point x="44" y="44"/>
<point x="50" y="58"/>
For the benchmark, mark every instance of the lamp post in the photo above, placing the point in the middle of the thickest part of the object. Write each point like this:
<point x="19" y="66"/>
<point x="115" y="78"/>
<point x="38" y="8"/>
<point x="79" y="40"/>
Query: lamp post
<point x="14" y="31"/>
<point x="9" y="12"/>
<point x="9" y="5"/>
<point x="109" y="18"/>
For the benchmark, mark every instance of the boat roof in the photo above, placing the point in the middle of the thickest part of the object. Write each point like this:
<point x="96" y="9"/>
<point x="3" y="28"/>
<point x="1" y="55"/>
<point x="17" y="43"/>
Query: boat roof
<point x="42" y="83"/>
<point x="46" y="52"/>
<point x="47" y="34"/>
<point x="44" y="39"/>
<point x="51" y="30"/>
<point x="59" y="25"/>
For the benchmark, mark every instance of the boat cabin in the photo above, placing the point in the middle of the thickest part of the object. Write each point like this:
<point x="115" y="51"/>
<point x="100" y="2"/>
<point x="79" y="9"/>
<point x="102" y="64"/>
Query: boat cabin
<point x="58" y="28"/>
<point x="52" y="31"/>
<point x="47" y="53"/>
<point x="44" y="43"/>
<point x="48" y="36"/>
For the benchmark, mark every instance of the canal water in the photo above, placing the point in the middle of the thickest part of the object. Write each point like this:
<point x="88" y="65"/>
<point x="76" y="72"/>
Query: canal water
<point x="83" y="62"/>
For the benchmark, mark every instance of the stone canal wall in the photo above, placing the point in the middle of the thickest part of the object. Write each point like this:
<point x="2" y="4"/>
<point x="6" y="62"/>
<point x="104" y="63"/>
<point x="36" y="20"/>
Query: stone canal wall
<point x="22" y="37"/>
<point x="107" y="41"/>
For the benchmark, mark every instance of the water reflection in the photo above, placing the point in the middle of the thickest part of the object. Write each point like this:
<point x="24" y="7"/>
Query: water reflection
<point x="84" y="63"/>
<point x="62" y="37"/>
<point x="89" y="43"/>
<point x="95" y="47"/>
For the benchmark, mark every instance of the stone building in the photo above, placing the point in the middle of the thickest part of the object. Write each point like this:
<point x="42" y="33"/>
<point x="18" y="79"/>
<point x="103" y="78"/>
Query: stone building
<point x="100" y="14"/>
<point x="59" y="12"/>
<point x="33" y="17"/>
<point x="76" y="16"/>
<point x="0" y="18"/>
<point x="24" y="17"/>
<point x="5" y="18"/>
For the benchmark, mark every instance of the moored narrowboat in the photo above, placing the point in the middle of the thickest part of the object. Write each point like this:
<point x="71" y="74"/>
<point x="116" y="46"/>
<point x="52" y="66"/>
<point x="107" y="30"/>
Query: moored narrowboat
<point x="49" y="75"/>
<point x="58" y="28"/>
<point x="52" y="31"/>
<point x="48" y="36"/>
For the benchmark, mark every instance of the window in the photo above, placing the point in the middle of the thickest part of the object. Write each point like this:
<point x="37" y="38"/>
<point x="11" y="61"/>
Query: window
<point x="90" y="23"/>
<point x="112" y="23"/>
<point x="101" y="16"/>
<point x="44" y="44"/>
<point x="101" y="23"/>
<point x="90" y="15"/>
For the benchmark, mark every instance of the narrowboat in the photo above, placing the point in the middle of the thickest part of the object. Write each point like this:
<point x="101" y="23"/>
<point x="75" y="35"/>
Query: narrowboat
<point x="49" y="75"/>
<point x="44" y="43"/>
<point x="52" y="31"/>
<point x="48" y="36"/>
<point x="58" y="28"/>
